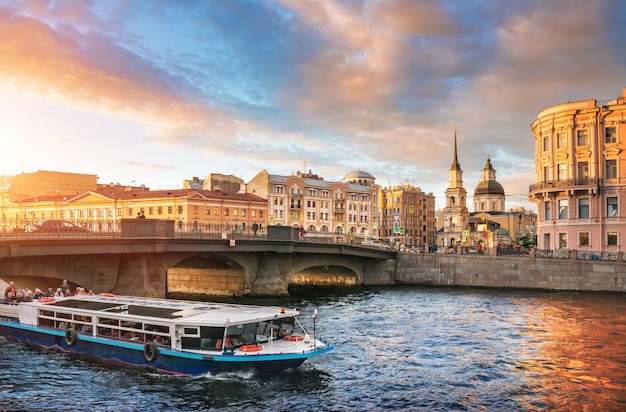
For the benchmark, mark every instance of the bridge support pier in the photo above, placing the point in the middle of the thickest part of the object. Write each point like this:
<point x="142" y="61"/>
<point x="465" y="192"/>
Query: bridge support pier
<point x="271" y="276"/>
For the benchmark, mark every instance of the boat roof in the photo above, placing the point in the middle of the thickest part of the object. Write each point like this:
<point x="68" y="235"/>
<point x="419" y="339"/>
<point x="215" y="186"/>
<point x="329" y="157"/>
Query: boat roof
<point x="178" y="311"/>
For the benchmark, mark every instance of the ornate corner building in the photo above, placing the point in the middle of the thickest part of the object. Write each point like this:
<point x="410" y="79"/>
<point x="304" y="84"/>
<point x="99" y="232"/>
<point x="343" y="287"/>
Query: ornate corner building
<point x="580" y="175"/>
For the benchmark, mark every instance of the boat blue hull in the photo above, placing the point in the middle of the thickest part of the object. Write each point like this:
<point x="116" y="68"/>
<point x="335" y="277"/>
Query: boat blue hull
<point x="169" y="361"/>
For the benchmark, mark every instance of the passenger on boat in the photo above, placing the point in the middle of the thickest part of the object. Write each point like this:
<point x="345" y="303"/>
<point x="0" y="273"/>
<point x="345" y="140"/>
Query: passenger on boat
<point x="50" y="293"/>
<point x="22" y="298"/>
<point x="59" y="293"/>
<point x="159" y="340"/>
<point x="10" y="298"/>
<point x="10" y="288"/>
<point x="38" y="294"/>
<point x="64" y="286"/>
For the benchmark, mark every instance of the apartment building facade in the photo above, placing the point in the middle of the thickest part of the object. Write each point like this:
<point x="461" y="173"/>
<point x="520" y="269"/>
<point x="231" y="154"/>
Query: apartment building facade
<point x="339" y="211"/>
<point x="580" y="175"/>
<point x="408" y="216"/>
<point x="30" y="198"/>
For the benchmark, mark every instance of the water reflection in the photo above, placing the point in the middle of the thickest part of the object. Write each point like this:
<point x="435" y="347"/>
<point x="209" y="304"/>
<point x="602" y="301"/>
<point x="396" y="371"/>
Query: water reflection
<point x="582" y="356"/>
<point x="406" y="349"/>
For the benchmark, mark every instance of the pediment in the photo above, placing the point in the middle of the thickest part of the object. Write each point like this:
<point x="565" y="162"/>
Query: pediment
<point x="582" y="155"/>
<point x="88" y="197"/>
<point x="612" y="152"/>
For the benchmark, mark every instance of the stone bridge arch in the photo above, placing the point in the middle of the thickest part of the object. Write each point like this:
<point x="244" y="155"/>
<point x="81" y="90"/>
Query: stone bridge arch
<point x="212" y="274"/>
<point x="310" y="270"/>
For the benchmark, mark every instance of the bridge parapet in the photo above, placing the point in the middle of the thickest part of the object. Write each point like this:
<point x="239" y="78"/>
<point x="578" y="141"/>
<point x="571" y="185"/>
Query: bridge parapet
<point x="147" y="228"/>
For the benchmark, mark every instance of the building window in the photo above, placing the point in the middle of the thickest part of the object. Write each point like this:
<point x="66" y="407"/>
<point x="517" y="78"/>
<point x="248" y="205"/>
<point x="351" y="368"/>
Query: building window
<point x="159" y="210"/>
<point x="562" y="208"/>
<point x="583" y="170"/>
<point x="561" y="141"/>
<point x="546" y="173"/>
<point x="562" y="171"/>
<point x="253" y="213"/>
<point x="170" y="210"/>
<point x="583" y="239"/>
<point x="562" y="240"/>
<point x="611" y="206"/>
<point x="216" y="211"/>
<point x="180" y="210"/>
<point x="610" y="135"/>
<point x="235" y="212"/>
<point x="611" y="238"/>
<point x="546" y="143"/>
<point x="226" y="211"/>
<point x="583" y="208"/>
<point x="611" y="168"/>
<point x="582" y="138"/>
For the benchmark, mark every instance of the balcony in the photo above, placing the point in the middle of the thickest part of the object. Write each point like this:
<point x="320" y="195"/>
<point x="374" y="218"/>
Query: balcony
<point x="590" y="185"/>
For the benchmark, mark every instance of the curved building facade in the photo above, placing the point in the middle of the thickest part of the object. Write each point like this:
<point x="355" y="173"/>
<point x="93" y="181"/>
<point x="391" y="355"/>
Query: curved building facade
<point x="580" y="175"/>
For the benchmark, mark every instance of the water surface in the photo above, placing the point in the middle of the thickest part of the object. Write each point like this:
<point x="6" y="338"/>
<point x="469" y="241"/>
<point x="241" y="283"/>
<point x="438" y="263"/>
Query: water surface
<point x="396" y="349"/>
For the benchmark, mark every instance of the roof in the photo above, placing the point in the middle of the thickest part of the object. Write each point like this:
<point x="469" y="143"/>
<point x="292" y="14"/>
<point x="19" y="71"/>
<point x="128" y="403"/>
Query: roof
<point x="358" y="174"/>
<point x="489" y="187"/>
<point x="189" y="312"/>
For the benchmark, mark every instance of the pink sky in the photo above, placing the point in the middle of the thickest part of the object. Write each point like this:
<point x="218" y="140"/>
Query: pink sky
<point x="158" y="92"/>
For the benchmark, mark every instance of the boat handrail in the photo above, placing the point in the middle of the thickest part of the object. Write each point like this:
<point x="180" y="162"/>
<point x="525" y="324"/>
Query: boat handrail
<point x="9" y="310"/>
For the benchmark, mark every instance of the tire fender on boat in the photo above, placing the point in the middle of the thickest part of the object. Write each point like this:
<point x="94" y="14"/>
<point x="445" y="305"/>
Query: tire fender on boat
<point x="150" y="352"/>
<point x="71" y="337"/>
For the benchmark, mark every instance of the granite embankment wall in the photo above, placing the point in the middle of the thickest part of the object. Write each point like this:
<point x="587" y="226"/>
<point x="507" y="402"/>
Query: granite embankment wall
<point x="510" y="272"/>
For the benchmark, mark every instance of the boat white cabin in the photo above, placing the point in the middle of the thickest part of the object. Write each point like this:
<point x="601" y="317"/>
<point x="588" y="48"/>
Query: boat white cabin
<point x="175" y="336"/>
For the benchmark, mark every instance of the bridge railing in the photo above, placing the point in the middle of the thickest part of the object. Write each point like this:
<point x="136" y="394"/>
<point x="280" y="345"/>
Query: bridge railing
<point x="102" y="228"/>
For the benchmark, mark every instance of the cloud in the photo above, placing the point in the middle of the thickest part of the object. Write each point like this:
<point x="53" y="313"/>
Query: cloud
<point x="376" y="85"/>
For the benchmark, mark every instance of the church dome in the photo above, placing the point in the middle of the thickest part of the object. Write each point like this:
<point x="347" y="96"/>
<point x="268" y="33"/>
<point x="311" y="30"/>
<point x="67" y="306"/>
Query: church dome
<point x="489" y="187"/>
<point x="359" y="177"/>
<point x="488" y="184"/>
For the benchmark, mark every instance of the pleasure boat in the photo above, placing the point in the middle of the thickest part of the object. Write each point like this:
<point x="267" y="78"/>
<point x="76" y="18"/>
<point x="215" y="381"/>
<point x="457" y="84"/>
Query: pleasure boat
<point x="173" y="336"/>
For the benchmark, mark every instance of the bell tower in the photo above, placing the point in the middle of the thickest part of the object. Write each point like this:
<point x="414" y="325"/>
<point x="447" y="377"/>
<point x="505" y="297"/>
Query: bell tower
<point x="455" y="214"/>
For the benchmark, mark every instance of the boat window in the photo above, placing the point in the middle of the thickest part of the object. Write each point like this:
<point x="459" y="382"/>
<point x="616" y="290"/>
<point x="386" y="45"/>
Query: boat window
<point x="132" y="325"/>
<point x="210" y="338"/>
<point x="109" y="333"/>
<point x="158" y="328"/>
<point x="287" y="326"/>
<point x="266" y="330"/>
<point x="247" y="332"/>
<point x="109" y="321"/>
<point x="191" y="331"/>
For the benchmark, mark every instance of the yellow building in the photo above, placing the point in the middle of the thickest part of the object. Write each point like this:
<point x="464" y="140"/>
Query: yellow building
<point x="50" y="195"/>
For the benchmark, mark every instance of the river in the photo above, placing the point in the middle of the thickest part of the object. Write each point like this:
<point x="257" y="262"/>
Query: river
<point x="396" y="349"/>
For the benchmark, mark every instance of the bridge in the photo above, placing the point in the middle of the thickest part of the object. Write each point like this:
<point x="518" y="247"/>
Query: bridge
<point x="147" y="257"/>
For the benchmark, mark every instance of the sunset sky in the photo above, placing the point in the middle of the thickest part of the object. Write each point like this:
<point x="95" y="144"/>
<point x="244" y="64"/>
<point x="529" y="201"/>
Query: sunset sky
<point x="154" y="92"/>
